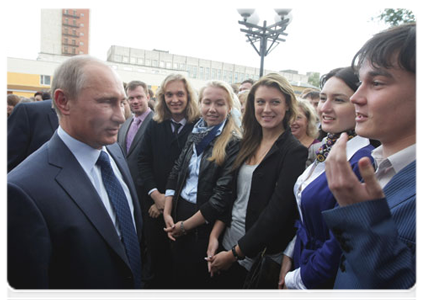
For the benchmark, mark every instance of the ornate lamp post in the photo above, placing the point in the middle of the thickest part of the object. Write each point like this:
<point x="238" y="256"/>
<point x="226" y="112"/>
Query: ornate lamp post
<point x="264" y="34"/>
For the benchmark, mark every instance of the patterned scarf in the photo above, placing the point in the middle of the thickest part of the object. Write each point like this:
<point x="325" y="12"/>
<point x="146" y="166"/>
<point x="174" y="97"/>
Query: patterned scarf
<point x="202" y="135"/>
<point x="323" y="152"/>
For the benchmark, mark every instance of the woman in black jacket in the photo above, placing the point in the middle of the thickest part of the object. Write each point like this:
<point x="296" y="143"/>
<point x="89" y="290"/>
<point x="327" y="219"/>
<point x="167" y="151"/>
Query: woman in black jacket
<point x="198" y="191"/>
<point x="176" y="113"/>
<point x="268" y="164"/>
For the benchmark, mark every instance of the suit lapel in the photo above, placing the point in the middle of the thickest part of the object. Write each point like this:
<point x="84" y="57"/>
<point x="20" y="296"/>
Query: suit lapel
<point x="402" y="186"/>
<point x="123" y="132"/>
<point x="138" y="136"/>
<point x="73" y="179"/>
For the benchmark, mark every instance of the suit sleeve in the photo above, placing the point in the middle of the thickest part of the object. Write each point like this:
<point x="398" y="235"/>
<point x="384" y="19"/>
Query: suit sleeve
<point x="28" y="242"/>
<point x="18" y="136"/>
<point x="145" y="160"/>
<point x="276" y="222"/>
<point x="371" y="244"/>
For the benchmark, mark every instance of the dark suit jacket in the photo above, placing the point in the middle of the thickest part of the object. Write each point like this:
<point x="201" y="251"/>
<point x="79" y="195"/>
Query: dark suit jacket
<point x="29" y="126"/>
<point x="159" y="150"/>
<point x="60" y="235"/>
<point x="132" y="154"/>
<point x="272" y="209"/>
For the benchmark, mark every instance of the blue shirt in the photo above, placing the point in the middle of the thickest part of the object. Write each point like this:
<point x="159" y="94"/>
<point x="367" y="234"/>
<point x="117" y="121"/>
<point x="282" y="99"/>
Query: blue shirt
<point x="87" y="158"/>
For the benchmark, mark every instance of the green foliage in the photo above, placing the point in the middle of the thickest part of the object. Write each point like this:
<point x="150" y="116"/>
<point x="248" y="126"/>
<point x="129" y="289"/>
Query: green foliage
<point x="398" y="16"/>
<point x="314" y="79"/>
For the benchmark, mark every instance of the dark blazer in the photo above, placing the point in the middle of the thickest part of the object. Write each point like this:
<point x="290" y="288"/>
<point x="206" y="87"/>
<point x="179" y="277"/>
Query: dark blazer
<point x="29" y="126"/>
<point x="132" y="154"/>
<point x="60" y="235"/>
<point x="378" y="237"/>
<point x="214" y="182"/>
<point x="272" y="209"/>
<point x="159" y="151"/>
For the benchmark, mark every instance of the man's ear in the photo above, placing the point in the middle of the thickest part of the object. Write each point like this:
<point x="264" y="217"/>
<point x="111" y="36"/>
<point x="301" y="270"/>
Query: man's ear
<point x="62" y="101"/>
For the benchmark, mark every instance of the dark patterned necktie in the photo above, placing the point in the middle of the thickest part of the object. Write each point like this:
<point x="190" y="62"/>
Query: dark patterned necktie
<point x="123" y="213"/>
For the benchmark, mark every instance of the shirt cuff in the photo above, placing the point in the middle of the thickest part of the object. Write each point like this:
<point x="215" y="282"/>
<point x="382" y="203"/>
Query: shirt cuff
<point x="289" y="250"/>
<point x="169" y="193"/>
<point x="152" y="190"/>
<point x="293" y="280"/>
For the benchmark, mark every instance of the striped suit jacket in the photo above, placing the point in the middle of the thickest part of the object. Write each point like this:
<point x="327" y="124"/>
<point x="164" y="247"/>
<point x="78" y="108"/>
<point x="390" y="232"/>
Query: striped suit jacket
<point x="378" y="237"/>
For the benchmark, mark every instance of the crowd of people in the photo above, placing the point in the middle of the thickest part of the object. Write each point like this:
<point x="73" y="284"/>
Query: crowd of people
<point x="113" y="187"/>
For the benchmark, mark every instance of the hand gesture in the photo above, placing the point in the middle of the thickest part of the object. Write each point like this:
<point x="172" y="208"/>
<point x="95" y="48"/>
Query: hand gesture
<point x="342" y="181"/>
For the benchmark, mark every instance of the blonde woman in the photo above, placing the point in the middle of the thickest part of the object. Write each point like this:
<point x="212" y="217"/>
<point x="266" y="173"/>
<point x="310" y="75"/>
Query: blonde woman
<point x="198" y="191"/>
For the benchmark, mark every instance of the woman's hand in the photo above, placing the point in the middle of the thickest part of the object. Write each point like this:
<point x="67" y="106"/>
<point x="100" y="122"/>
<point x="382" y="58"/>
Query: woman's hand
<point x="285" y="268"/>
<point x="211" y="251"/>
<point x="222" y="261"/>
<point x="170" y="226"/>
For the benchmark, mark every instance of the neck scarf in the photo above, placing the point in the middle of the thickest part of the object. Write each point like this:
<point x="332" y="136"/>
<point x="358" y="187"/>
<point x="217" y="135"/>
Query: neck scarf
<point x="202" y="135"/>
<point x="323" y="152"/>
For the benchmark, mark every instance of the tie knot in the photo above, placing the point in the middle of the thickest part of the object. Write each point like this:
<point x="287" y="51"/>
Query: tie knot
<point x="137" y="121"/>
<point x="103" y="159"/>
<point x="176" y="126"/>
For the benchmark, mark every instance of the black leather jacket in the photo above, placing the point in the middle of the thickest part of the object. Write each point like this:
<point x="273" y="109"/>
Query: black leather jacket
<point x="214" y="191"/>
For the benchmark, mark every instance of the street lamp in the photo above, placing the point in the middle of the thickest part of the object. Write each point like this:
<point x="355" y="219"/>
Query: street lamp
<point x="263" y="34"/>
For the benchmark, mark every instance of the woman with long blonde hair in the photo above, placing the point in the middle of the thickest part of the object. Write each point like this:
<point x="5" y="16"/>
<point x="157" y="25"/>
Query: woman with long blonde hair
<point x="198" y="191"/>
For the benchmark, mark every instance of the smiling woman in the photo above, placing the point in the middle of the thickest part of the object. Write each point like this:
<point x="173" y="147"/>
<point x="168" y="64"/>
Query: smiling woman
<point x="269" y="162"/>
<point x="315" y="253"/>
<point x="199" y="186"/>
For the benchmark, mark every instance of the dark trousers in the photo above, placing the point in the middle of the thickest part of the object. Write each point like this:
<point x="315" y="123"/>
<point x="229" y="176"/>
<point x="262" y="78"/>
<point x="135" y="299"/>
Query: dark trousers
<point x="232" y="278"/>
<point x="188" y="252"/>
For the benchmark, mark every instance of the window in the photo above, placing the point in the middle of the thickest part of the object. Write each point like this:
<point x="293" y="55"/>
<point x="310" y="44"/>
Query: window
<point x="81" y="34"/>
<point x="45" y="79"/>
<point x="82" y="24"/>
<point x="74" y="22"/>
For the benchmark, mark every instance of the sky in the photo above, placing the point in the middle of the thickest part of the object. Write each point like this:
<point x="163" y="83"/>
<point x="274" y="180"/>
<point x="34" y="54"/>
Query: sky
<point x="321" y="36"/>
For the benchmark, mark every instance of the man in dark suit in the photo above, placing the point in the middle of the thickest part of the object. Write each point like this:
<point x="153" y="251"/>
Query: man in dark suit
<point x="132" y="131"/>
<point x="29" y="126"/>
<point x="74" y="220"/>
<point x="375" y="223"/>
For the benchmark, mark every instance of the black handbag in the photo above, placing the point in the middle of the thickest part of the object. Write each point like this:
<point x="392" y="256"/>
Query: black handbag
<point x="264" y="273"/>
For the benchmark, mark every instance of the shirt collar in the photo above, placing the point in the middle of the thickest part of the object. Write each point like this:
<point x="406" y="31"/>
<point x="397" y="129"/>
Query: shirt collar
<point x="143" y="115"/>
<point x="355" y="144"/>
<point x="398" y="160"/>
<point x="182" y="122"/>
<point x="86" y="155"/>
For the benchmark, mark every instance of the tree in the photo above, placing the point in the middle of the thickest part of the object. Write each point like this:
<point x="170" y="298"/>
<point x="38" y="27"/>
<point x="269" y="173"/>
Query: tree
<point x="314" y="79"/>
<point x="395" y="17"/>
